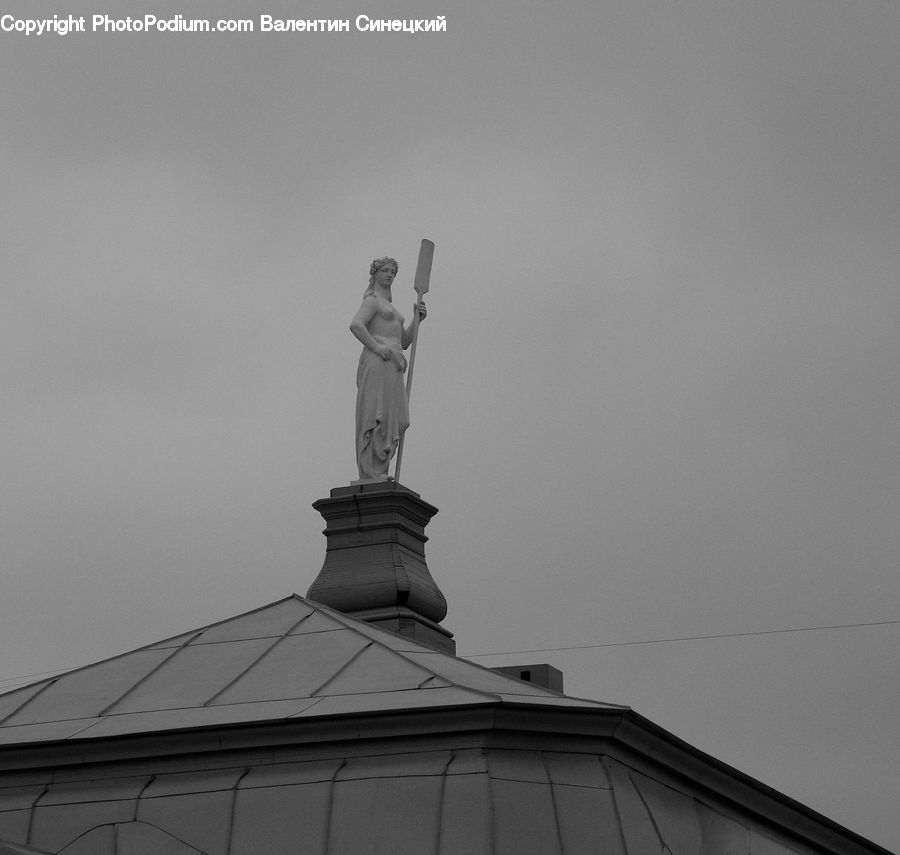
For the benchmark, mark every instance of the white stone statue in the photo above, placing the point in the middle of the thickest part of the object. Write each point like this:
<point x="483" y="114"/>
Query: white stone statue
<point x="382" y="408"/>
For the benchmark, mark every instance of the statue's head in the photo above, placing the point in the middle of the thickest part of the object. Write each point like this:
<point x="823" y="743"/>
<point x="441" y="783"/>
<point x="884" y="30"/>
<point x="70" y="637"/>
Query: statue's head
<point x="378" y="263"/>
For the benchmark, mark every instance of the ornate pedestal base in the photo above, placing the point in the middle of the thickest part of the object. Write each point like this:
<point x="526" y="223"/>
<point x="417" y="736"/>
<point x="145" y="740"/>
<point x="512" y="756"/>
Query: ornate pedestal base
<point x="375" y="566"/>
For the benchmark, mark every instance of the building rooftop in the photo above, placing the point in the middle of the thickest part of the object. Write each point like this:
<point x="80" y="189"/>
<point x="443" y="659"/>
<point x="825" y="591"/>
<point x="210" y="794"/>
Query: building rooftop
<point x="288" y="660"/>
<point x="345" y="721"/>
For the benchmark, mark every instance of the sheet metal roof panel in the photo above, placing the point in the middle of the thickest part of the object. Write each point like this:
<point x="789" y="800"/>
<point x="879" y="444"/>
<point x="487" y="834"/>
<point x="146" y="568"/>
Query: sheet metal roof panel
<point x="468" y="761"/>
<point x="49" y="731"/>
<point x="138" y="838"/>
<point x="11" y="701"/>
<point x="196" y="781"/>
<point x="286" y="818"/>
<point x="192" y="676"/>
<point x="435" y="683"/>
<point x="524" y="766"/>
<point x="14" y="823"/>
<point x="174" y="641"/>
<point x="16" y="798"/>
<point x="340" y="705"/>
<point x="400" y="815"/>
<point x="723" y="834"/>
<point x="88" y="690"/>
<point x="318" y="621"/>
<point x="270" y="621"/>
<point x="422" y="764"/>
<point x="668" y="809"/>
<point x="588" y="823"/>
<point x="640" y="834"/>
<point x="296" y="667"/>
<point x="525" y="820"/>
<point x="282" y="774"/>
<point x="183" y="719"/>
<point x="55" y="826"/>
<point x="558" y="701"/>
<point x="98" y="841"/>
<point x="579" y="770"/>
<point x="199" y="819"/>
<point x="78" y="792"/>
<point x="17" y="849"/>
<point x="252" y="624"/>
<point x="467" y="796"/>
<point x="376" y="669"/>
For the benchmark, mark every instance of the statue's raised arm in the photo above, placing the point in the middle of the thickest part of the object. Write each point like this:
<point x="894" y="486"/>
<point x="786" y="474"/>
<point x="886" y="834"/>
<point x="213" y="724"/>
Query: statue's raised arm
<point x="382" y="406"/>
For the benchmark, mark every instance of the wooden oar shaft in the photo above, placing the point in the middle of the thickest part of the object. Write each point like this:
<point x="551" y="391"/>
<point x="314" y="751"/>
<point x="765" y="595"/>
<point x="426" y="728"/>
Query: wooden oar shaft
<point x="412" y="350"/>
<point x="423" y="277"/>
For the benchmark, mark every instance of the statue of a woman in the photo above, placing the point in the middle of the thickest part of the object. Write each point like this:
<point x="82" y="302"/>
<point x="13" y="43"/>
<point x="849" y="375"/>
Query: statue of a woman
<point x="382" y="409"/>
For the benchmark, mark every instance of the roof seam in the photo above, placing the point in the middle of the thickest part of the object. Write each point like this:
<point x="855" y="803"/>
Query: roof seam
<point x="654" y="824"/>
<point x="228" y="620"/>
<point x="394" y="651"/>
<point x="28" y="700"/>
<point x="232" y="810"/>
<point x="140" y="795"/>
<point x="258" y="659"/>
<point x="147" y="648"/>
<point x="83" y="729"/>
<point x="146" y="676"/>
<point x="31" y="812"/>
<point x="300" y="712"/>
<point x="205" y="706"/>
<point x="343" y="668"/>
<point x="491" y="799"/>
<point x="329" y="813"/>
<point x="553" y="800"/>
<point x="617" y="811"/>
<point x="257" y="637"/>
<point x="298" y="698"/>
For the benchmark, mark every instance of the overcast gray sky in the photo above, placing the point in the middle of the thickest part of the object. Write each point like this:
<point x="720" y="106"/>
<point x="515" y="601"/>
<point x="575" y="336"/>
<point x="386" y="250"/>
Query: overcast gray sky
<point x="656" y="394"/>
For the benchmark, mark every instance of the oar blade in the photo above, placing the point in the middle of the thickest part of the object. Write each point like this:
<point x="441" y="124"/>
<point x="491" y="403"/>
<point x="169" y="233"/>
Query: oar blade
<point x="423" y="268"/>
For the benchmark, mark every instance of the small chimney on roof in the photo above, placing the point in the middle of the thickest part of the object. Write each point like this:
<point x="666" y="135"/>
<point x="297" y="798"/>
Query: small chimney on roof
<point x="375" y="567"/>
<point x="542" y="675"/>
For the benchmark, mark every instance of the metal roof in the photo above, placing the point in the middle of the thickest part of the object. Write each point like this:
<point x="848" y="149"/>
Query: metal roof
<point x="298" y="661"/>
<point x="437" y="802"/>
<point x="292" y="659"/>
<point x="16" y="849"/>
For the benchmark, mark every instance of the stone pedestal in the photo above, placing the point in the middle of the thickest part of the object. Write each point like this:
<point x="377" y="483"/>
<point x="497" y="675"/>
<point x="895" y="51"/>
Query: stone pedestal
<point x="375" y="567"/>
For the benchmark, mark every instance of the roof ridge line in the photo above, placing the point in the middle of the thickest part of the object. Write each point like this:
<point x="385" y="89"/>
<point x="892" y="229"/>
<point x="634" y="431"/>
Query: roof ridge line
<point x="200" y="630"/>
<point x="356" y="625"/>
<point x="153" y="645"/>
<point x="362" y="628"/>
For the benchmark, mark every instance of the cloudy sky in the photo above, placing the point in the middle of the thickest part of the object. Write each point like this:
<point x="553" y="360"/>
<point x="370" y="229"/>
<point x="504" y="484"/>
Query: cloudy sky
<point x="656" y="394"/>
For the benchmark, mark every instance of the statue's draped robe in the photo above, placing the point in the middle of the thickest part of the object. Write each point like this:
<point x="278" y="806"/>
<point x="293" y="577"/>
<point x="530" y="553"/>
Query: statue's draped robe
<point x="382" y="410"/>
